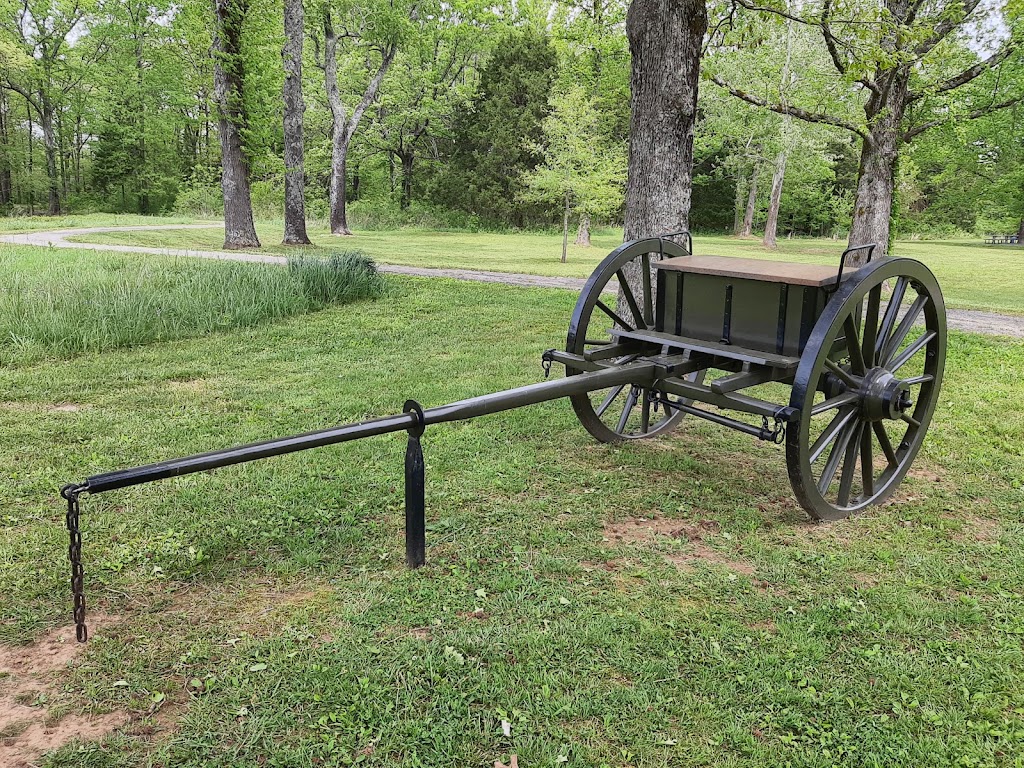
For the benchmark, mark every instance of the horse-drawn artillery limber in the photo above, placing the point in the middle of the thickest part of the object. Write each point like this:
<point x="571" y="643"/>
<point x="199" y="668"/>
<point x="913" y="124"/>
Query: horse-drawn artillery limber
<point x="657" y="329"/>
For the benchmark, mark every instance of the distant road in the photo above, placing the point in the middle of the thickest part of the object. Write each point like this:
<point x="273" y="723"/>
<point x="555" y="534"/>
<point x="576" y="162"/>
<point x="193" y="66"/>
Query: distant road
<point x="972" y="321"/>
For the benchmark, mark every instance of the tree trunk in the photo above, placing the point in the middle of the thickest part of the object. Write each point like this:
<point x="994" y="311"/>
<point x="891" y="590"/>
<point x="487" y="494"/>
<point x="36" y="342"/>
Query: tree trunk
<point x="665" y="39"/>
<point x="294" y="107"/>
<point x="771" y="225"/>
<point x="748" y="215"/>
<point x="5" y="153"/>
<point x="583" y="232"/>
<point x="565" y="229"/>
<point x="665" y="42"/>
<point x="876" y="179"/>
<point x="1020" y="233"/>
<point x="343" y="127"/>
<point x="228" y="81"/>
<point x="50" y="147"/>
<point x="407" y="162"/>
<point x="30" y="181"/>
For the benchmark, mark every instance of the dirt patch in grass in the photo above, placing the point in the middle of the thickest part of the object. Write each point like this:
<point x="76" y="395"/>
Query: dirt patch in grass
<point x="27" y="730"/>
<point x="41" y="407"/>
<point x="646" y="530"/>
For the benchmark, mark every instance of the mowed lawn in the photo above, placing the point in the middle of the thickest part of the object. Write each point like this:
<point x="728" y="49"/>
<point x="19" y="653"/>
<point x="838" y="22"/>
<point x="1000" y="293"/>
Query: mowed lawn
<point x="659" y="604"/>
<point x="972" y="275"/>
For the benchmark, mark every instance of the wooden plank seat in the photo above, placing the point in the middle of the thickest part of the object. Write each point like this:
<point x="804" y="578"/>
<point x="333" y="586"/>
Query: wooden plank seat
<point x="730" y="351"/>
<point x="788" y="272"/>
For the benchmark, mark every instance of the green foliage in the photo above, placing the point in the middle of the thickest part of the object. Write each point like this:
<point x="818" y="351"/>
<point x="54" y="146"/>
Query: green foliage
<point x="496" y="136"/>
<point x="68" y="307"/>
<point x="578" y="169"/>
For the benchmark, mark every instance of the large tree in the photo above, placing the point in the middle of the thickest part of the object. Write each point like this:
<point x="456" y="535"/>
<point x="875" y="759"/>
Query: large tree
<point x="909" y="60"/>
<point x="294" y="107"/>
<point x="665" y="38"/>
<point x="228" y="89"/>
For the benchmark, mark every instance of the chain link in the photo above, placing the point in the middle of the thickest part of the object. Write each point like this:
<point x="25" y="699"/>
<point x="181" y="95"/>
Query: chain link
<point x="71" y="492"/>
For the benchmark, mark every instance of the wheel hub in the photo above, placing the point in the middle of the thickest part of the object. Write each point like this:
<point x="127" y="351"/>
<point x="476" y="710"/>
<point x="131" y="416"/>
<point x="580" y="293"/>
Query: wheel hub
<point x="884" y="396"/>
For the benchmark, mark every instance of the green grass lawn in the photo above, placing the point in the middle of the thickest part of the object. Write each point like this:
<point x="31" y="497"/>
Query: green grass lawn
<point x="262" y="615"/>
<point x="11" y="224"/>
<point x="972" y="275"/>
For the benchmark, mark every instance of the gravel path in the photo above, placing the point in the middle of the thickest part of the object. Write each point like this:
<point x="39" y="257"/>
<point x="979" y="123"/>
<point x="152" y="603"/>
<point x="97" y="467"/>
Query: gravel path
<point x="972" y="321"/>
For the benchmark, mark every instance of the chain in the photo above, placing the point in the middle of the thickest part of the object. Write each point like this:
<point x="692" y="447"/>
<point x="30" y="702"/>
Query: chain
<point x="71" y="492"/>
<point x="545" y="361"/>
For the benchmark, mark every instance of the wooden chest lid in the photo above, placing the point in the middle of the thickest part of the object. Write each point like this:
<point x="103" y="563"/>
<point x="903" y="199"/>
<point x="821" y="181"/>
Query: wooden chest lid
<point x="754" y="269"/>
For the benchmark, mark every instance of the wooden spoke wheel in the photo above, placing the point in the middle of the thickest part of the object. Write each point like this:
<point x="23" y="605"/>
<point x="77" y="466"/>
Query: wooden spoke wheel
<point x="625" y="412"/>
<point x="866" y="388"/>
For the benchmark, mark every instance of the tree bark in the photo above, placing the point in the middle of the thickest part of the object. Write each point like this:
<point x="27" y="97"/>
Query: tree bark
<point x="5" y="152"/>
<point x="583" y="231"/>
<point x="665" y="39"/>
<point x="665" y="42"/>
<point x="343" y="125"/>
<point x="565" y="229"/>
<point x="408" y="158"/>
<point x="1020" y="233"/>
<point x="50" y="150"/>
<point x="294" y="107"/>
<point x="228" y="83"/>
<point x="771" y="225"/>
<point x="748" y="214"/>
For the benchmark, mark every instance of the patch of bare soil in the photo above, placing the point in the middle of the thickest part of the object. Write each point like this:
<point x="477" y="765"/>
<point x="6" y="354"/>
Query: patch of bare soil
<point x="28" y="677"/>
<point x="42" y="407"/>
<point x="642" y="530"/>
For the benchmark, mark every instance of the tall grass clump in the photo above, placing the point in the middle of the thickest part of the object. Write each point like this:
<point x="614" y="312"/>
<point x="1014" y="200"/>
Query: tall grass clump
<point x="67" y="307"/>
<point x="336" y="279"/>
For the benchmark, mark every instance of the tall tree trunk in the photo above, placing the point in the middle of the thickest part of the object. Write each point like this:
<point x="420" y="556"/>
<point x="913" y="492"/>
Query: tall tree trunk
<point x="876" y="179"/>
<point x="665" y="42"/>
<point x="748" y="214"/>
<point x="294" y="107"/>
<point x="408" y="157"/>
<point x="228" y="82"/>
<point x="665" y="39"/>
<point x="141" y="172"/>
<point x="583" y="231"/>
<point x="50" y="147"/>
<point x="30" y="181"/>
<point x="1020" y="233"/>
<point x="343" y="126"/>
<point x="5" y="152"/>
<point x="565" y="229"/>
<point x="771" y="225"/>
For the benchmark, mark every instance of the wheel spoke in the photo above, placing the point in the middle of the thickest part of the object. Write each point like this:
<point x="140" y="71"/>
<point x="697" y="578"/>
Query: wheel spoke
<point x="883" y="440"/>
<point x="910" y="420"/>
<point x="867" y="464"/>
<point x="838" y="370"/>
<point x="840" y="420"/>
<point x="627" y="409"/>
<point x="910" y="351"/>
<point x="891" y="313"/>
<point x="645" y="264"/>
<point x="871" y="325"/>
<point x="900" y="334"/>
<point x="853" y="345"/>
<point x="630" y="300"/>
<point x="923" y="379"/>
<point x="849" y="466"/>
<point x="604" y="308"/>
<point x="645" y="413"/>
<point x="835" y="456"/>
<point x="608" y="400"/>
<point x="847" y="398"/>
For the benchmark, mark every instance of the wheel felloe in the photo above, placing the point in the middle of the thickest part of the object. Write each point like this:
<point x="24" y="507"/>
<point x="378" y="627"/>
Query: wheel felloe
<point x="866" y="388"/>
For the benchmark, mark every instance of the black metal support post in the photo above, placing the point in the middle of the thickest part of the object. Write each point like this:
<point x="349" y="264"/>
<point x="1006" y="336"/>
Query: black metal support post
<point x="415" y="503"/>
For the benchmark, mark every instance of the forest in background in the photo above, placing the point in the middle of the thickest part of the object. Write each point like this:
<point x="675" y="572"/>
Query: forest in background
<point x="494" y="116"/>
